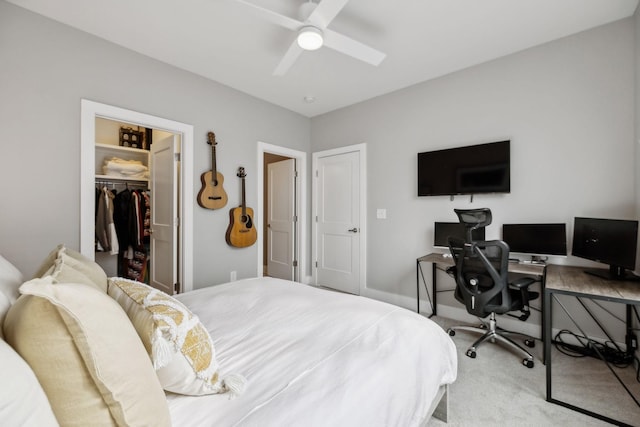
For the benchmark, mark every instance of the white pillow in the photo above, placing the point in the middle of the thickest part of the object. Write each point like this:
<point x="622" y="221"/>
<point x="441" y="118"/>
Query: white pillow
<point x="22" y="399"/>
<point x="10" y="280"/>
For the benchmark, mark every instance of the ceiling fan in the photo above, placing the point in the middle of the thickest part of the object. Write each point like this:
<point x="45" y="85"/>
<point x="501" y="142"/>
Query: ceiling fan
<point x="312" y="33"/>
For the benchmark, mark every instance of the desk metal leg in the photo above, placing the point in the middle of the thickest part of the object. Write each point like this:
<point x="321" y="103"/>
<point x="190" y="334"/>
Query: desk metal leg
<point x="547" y="351"/>
<point x="546" y="335"/>
<point x="418" y="285"/>
<point x="434" y="292"/>
<point x="543" y="287"/>
<point x="420" y="274"/>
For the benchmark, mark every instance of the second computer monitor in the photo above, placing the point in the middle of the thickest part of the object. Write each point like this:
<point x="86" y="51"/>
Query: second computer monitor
<point x="536" y="239"/>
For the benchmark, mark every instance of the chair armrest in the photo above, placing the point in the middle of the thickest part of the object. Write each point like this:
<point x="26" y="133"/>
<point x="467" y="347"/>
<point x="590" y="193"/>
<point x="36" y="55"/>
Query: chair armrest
<point x="523" y="282"/>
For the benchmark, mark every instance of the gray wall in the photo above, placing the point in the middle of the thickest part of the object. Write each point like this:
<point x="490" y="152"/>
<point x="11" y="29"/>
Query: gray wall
<point x="46" y="68"/>
<point x="568" y="108"/>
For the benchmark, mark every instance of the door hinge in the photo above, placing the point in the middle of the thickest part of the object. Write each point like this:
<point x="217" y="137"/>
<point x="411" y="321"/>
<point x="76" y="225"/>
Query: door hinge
<point x="176" y="156"/>
<point x="295" y="174"/>
<point x="295" y="218"/>
<point x="295" y="263"/>
<point x="316" y="264"/>
<point x="176" y="287"/>
<point x="176" y="222"/>
<point x="316" y="218"/>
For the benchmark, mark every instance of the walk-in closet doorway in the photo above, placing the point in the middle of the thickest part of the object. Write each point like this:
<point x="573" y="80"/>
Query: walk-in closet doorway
<point x="171" y="240"/>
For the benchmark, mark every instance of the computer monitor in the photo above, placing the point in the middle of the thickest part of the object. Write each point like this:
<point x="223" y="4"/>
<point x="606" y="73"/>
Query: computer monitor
<point x="609" y="241"/>
<point x="537" y="240"/>
<point x="442" y="231"/>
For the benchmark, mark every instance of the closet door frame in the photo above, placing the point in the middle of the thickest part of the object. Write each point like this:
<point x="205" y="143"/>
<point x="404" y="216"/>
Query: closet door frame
<point x="90" y="110"/>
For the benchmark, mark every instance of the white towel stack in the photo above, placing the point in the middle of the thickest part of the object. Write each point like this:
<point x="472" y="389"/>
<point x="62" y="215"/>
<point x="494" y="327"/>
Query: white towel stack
<point x="121" y="168"/>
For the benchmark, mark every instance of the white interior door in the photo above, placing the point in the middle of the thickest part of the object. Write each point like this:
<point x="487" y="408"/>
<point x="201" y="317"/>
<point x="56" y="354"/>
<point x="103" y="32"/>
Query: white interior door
<point x="281" y="215"/>
<point x="338" y="222"/>
<point x="164" y="215"/>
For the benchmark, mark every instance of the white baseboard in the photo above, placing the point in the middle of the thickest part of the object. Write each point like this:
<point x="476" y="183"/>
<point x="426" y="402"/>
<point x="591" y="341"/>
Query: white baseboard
<point x="395" y="299"/>
<point x="453" y="313"/>
<point x="460" y="314"/>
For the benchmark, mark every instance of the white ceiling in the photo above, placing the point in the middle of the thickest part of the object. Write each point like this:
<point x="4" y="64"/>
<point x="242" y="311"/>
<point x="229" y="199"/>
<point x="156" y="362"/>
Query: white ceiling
<point x="224" y="41"/>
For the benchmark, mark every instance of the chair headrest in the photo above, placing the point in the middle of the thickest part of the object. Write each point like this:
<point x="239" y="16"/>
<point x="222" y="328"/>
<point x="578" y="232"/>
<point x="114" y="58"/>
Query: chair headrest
<point x="474" y="218"/>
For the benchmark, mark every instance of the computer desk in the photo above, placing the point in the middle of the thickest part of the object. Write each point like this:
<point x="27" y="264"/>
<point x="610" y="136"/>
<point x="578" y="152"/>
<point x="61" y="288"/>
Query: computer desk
<point x="554" y="279"/>
<point x="573" y="281"/>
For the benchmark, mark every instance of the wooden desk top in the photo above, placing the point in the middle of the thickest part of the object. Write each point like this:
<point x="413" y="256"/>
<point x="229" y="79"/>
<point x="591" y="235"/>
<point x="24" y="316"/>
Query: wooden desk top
<point x="514" y="267"/>
<point x="574" y="280"/>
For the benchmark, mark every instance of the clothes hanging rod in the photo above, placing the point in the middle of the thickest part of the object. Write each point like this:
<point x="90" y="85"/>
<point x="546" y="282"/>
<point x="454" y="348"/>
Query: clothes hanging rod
<point x="125" y="183"/>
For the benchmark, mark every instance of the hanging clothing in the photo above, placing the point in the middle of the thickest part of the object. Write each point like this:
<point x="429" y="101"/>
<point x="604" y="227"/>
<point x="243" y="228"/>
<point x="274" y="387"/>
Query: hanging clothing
<point x="121" y="203"/>
<point x="123" y="222"/>
<point x="106" y="236"/>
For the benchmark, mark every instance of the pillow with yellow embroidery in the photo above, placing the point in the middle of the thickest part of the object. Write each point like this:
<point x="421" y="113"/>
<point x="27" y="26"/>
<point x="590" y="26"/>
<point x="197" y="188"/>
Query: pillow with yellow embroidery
<point x="179" y="345"/>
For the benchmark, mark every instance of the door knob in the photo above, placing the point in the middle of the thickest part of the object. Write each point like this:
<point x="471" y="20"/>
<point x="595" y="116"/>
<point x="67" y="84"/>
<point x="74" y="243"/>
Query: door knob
<point x="353" y="230"/>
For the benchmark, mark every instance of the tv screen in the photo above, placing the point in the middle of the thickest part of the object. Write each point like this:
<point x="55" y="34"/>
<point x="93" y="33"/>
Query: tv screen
<point x="536" y="239"/>
<point x="609" y="241"/>
<point x="482" y="168"/>
<point x="442" y="231"/>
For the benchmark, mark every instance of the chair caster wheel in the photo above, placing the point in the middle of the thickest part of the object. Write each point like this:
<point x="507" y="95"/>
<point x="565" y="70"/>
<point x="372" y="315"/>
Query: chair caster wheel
<point x="530" y="343"/>
<point x="471" y="354"/>
<point x="451" y="332"/>
<point x="528" y="363"/>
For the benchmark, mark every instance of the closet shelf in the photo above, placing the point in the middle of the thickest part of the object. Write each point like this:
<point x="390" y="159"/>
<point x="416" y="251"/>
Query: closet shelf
<point x="123" y="149"/>
<point x="117" y="178"/>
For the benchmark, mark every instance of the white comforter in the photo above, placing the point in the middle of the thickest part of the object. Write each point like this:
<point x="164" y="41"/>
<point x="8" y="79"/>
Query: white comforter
<point x="314" y="357"/>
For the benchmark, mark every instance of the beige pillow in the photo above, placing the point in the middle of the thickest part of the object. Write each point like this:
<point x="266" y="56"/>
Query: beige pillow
<point x="179" y="345"/>
<point x="86" y="355"/>
<point x="72" y="267"/>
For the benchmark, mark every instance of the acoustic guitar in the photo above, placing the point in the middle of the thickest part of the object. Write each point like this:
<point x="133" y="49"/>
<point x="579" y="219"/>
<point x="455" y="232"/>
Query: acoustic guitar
<point x="212" y="195"/>
<point x="242" y="231"/>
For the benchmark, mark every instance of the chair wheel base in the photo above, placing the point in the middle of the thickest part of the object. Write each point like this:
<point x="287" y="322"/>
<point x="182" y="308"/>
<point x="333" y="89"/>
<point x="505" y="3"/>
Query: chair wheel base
<point x="471" y="354"/>
<point x="528" y="363"/>
<point x="530" y="343"/>
<point x="451" y="332"/>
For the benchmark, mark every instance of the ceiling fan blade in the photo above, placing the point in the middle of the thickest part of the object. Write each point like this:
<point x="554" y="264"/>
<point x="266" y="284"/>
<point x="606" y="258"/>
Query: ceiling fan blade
<point x="326" y="11"/>
<point x="288" y="59"/>
<point x="354" y="48"/>
<point x="271" y="16"/>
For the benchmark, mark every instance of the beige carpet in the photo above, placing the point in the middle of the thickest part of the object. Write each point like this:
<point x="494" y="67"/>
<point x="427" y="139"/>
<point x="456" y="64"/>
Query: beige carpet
<point x="495" y="389"/>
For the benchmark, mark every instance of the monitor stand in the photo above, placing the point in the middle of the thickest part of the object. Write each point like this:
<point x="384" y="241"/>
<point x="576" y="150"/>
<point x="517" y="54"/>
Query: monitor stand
<point x="613" y="273"/>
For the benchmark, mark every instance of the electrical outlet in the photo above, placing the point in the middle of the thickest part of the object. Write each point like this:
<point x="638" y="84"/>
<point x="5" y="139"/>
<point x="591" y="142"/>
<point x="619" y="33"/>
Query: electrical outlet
<point x="233" y="276"/>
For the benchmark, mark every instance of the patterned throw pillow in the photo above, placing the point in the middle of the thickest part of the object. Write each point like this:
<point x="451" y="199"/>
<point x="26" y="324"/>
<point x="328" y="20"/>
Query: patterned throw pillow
<point x="179" y="345"/>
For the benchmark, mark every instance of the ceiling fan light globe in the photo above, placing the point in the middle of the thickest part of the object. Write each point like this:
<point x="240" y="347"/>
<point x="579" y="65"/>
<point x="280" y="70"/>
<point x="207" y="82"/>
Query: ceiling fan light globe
<point x="310" y="38"/>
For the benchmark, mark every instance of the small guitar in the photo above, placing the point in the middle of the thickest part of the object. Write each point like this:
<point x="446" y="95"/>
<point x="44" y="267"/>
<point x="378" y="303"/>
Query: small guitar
<point x="212" y="195"/>
<point x="241" y="231"/>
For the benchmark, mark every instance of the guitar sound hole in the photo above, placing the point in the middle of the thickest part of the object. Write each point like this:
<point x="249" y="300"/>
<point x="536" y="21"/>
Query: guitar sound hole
<point x="246" y="219"/>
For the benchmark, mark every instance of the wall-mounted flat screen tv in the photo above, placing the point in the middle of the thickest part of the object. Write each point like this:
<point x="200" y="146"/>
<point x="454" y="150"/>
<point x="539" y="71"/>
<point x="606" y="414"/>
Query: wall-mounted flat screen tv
<point x="474" y="169"/>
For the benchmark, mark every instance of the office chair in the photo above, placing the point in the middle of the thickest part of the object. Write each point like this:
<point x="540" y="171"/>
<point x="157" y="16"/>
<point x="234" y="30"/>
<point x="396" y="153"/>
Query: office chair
<point x="483" y="286"/>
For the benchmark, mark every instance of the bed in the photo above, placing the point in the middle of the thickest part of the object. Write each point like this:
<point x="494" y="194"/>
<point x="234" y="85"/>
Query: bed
<point x="306" y="356"/>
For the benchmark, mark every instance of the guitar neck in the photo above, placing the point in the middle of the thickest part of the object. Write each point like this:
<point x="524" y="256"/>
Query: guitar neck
<point x="213" y="162"/>
<point x="244" y="206"/>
